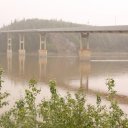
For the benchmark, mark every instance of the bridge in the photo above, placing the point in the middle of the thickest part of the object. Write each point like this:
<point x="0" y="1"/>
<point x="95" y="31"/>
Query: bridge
<point x="84" y="52"/>
<point x="87" y="29"/>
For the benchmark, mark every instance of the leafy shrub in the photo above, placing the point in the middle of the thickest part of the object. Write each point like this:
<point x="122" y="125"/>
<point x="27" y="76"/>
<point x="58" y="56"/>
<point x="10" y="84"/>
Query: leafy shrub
<point x="2" y="95"/>
<point x="63" y="112"/>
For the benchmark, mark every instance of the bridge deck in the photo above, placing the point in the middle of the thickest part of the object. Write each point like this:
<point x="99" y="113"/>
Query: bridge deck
<point x="89" y="29"/>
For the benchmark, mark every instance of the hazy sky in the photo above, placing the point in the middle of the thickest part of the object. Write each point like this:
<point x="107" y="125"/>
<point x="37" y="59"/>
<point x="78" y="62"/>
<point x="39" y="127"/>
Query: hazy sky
<point x="95" y="12"/>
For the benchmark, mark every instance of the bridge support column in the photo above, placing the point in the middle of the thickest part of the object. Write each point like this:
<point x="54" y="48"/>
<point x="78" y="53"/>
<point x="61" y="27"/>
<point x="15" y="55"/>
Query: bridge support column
<point x="42" y="49"/>
<point x="21" y="44"/>
<point x="84" y="52"/>
<point x="9" y="45"/>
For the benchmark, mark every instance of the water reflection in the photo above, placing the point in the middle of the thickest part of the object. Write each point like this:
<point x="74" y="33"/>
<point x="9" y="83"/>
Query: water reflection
<point x="42" y="68"/>
<point x="70" y="73"/>
<point x="21" y="64"/>
<point x="9" y="63"/>
<point x="85" y="68"/>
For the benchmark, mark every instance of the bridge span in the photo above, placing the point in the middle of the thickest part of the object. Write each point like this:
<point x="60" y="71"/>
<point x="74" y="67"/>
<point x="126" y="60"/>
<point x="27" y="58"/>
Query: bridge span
<point x="87" y="29"/>
<point x="84" y="52"/>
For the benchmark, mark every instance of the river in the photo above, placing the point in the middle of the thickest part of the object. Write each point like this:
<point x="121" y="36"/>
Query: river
<point x="69" y="73"/>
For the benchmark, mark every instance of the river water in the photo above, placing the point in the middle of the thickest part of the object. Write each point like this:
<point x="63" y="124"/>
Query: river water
<point x="69" y="73"/>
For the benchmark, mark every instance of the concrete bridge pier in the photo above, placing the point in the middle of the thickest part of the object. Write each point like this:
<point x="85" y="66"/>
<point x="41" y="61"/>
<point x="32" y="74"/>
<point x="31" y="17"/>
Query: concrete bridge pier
<point x="21" y="45"/>
<point x="9" y="45"/>
<point x="42" y="49"/>
<point x="84" y="53"/>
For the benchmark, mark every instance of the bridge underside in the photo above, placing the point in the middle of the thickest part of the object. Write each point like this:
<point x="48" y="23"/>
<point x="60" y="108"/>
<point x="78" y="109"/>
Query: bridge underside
<point x="84" y="51"/>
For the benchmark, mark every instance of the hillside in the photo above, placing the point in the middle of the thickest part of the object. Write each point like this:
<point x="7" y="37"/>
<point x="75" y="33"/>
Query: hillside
<point x="62" y="44"/>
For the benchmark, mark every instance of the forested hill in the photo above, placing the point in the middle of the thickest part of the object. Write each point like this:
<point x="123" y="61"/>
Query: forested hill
<point x="62" y="44"/>
<point x="39" y="23"/>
